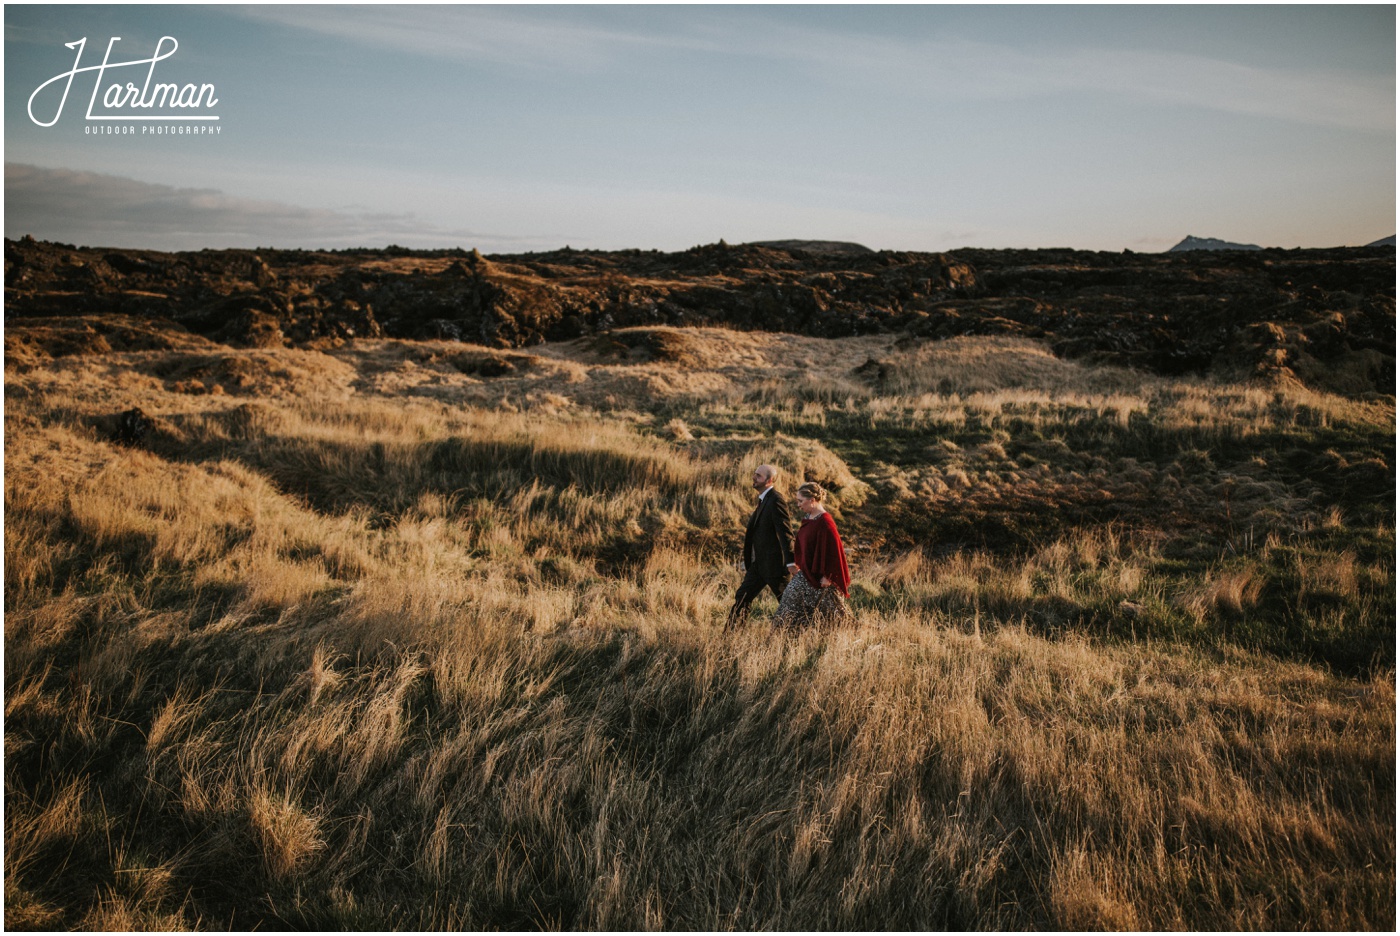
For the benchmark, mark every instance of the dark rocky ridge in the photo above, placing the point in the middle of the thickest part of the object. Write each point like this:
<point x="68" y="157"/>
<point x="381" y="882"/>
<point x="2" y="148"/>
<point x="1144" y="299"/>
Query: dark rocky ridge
<point x="1326" y="317"/>
<point x="816" y="246"/>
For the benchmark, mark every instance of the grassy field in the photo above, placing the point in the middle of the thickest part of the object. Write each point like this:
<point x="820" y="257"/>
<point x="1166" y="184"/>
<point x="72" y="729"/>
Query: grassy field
<point x="424" y="635"/>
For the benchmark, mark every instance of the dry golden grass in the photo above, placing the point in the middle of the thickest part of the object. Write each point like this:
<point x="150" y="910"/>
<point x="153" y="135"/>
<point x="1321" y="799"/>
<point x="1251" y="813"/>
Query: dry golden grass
<point x="369" y="645"/>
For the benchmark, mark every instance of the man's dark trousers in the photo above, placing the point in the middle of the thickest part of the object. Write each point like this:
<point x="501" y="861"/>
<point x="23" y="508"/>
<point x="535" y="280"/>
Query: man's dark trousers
<point x="767" y="552"/>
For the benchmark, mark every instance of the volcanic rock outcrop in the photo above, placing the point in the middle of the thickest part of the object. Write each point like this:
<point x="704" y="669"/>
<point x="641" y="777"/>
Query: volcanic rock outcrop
<point x="1326" y="317"/>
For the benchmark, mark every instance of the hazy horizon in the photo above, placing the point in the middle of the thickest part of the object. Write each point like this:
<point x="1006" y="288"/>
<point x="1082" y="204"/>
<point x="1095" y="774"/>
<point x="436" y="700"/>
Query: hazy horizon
<point x="531" y="128"/>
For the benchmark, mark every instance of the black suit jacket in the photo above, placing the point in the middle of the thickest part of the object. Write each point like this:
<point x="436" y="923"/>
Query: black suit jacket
<point x="768" y="539"/>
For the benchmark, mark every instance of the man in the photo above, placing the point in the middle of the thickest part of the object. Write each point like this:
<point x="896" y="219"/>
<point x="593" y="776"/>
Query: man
<point x="767" y="547"/>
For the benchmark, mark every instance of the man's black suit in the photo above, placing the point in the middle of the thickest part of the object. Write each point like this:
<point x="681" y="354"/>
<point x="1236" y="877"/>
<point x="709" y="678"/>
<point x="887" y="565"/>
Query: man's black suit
<point x="767" y="553"/>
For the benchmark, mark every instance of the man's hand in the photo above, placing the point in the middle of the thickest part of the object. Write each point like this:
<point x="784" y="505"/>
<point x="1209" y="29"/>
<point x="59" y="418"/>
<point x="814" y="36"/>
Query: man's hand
<point x="792" y="568"/>
<point x="826" y="582"/>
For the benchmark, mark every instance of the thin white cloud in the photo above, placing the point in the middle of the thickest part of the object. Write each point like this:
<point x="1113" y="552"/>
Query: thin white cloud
<point x="945" y="67"/>
<point x="473" y="34"/>
<point x="97" y="209"/>
<point x="986" y="71"/>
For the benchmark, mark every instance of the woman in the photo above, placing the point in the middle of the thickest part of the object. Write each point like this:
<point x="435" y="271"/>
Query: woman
<point x="820" y="579"/>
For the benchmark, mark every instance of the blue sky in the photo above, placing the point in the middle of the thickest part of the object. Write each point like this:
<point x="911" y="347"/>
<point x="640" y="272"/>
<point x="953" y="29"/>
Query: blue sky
<point x="529" y="127"/>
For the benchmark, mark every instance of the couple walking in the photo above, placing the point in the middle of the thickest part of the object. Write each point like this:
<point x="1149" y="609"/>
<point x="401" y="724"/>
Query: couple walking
<point x="820" y="580"/>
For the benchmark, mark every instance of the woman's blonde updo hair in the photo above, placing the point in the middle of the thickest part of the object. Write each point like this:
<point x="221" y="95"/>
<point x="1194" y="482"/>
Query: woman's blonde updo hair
<point x="812" y="491"/>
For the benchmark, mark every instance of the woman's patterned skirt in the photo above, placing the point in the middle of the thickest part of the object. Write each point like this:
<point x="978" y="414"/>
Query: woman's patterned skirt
<point x="804" y="606"/>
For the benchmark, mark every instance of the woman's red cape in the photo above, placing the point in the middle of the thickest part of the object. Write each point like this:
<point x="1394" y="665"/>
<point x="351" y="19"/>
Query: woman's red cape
<point x="820" y="553"/>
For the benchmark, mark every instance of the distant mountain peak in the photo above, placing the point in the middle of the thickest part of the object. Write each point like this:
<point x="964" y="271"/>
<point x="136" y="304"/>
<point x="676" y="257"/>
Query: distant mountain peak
<point x="1211" y="243"/>
<point x="1383" y="242"/>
